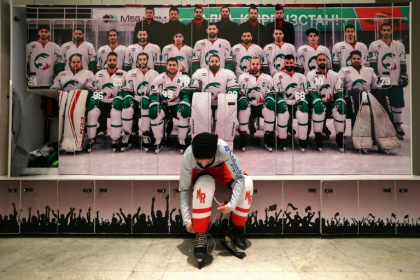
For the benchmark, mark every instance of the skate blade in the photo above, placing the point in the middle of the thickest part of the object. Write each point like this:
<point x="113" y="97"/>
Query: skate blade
<point x="233" y="249"/>
<point x="200" y="263"/>
<point x="181" y="151"/>
<point x="302" y="150"/>
<point x="320" y="149"/>
<point x="243" y="149"/>
<point x="146" y="149"/>
<point x="341" y="150"/>
<point x="268" y="148"/>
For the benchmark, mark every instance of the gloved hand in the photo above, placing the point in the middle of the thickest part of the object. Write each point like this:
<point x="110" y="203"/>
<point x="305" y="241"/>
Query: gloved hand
<point x="242" y="103"/>
<point x="269" y="103"/>
<point x="127" y="102"/>
<point x="92" y="103"/>
<point x="117" y="103"/>
<point x="282" y="107"/>
<point x="303" y="106"/>
<point x="340" y="104"/>
<point x="403" y="81"/>
<point x="145" y="102"/>
<point x="153" y="111"/>
<point x="185" y="108"/>
<point x="318" y="106"/>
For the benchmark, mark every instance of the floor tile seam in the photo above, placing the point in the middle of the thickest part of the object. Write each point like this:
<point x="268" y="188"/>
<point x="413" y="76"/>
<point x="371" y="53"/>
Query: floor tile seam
<point x="288" y="256"/>
<point x="145" y="251"/>
<point x="169" y="261"/>
<point x="344" y="254"/>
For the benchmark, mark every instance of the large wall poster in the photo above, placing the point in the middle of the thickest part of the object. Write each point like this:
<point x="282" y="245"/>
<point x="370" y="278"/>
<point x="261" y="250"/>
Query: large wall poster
<point x="132" y="114"/>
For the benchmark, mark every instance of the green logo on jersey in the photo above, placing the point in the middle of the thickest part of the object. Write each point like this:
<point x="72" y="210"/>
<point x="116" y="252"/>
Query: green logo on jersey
<point x="173" y="88"/>
<point x="324" y="87"/>
<point x="388" y="61"/>
<point x="348" y="61"/>
<point x="40" y="61"/>
<point x="288" y="88"/>
<point x="142" y="88"/>
<point x="312" y="63"/>
<point x="244" y="63"/>
<point x="358" y="84"/>
<point x="210" y="53"/>
<point x="70" y="83"/>
<point x="278" y="61"/>
<point x="108" y="85"/>
<point x="253" y="93"/>
<point x="179" y="58"/>
<point x="212" y="85"/>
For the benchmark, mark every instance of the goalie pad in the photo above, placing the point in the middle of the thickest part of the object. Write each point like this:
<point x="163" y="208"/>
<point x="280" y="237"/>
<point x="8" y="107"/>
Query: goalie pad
<point x="362" y="130"/>
<point x="74" y="121"/>
<point x="384" y="131"/>
<point x="227" y="121"/>
<point x="201" y="113"/>
<point x="63" y="95"/>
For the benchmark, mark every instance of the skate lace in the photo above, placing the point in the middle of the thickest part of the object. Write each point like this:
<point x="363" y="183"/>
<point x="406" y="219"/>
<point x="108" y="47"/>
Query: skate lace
<point x="200" y="240"/>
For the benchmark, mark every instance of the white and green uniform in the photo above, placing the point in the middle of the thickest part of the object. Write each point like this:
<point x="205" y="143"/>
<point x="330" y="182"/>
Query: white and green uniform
<point x="103" y="53"/>
<point x="203" y="49"/>
<point x="132" y="51"/>
<point x="183" y="55"/>
<point x="306" y="58"/>
<point x="362" y="80"/>
<point x="291" y="88"/>
<point x="166" y="91"/>
<point x="137" y="85"/>
<point x="107" y="87"/>
<point x="67" y="80"/>
<point x="341" y="54"/>
<point x="256" y="89"/>
<point x="242" y="57"/>
<point x="274" y="56"/>
<point x="41" y="59"/>
<point x="327" y="88"/>
<point x="85" y="49"/>
<point x="223" y="81"/>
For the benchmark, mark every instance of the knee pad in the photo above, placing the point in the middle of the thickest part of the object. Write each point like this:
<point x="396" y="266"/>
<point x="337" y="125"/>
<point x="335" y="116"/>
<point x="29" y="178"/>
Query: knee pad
<point x="202" y="199"/>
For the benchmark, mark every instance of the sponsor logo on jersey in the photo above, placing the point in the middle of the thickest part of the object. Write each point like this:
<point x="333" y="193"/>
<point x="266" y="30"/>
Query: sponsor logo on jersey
<point x="70" y="83"/>
<point x="254" y="93"/>
<point x="278" y="60"/>
<point x="108" y="85"/>
<point x="41" y="62"/>
<point x="210" y="53"/>
<point x="325" y="96"/>
<point x="212" y="85"/>
<point x="179" y="58"/>
<point x="388" y="61"/>
<point x="244" y="63"/>
<point x="358" y="84"/>
<point x="290" y="88"/>
<point x="142" y="88"/>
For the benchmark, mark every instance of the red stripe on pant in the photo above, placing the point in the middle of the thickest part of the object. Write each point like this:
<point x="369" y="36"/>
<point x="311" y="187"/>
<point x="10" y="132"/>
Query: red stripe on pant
<point x="200" y="225"/>
<point x="239" y="220"/>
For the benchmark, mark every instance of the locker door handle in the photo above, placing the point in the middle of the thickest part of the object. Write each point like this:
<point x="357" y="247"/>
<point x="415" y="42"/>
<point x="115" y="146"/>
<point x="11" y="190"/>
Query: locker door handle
<point x="103" y="190"/>
<point x="87" y="190"/>
<point x="403" y="190"/>
<point x="28" y="189"/>
<point x="312" y="190"/>
<point x="255" y="190"/>
<point x="161" y="190"/>
<point x="387" y="190"/>
<point x="12" y="190"/>
<point x="329" y="190"/>
<point x="176" y="190"/>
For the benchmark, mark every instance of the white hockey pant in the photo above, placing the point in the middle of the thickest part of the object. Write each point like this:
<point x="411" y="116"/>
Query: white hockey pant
<point x="116" y="124"/>
<point x="339" y="121"/>
<point x="282" y="121"/>
<point x="397" y="113"/>
<point x="244" y="118"/>
<point x="92" y="122"/>
<point x="318" y="121"/>
<point x="302" y="120"/>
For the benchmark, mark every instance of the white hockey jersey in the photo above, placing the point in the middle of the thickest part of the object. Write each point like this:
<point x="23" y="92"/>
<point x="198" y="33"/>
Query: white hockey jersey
<point x="223" y="81"/>
<point x="169" y="89"/>
<point x="242" y="57"/>
<point x="41" y="60"/>
<point x="365" y="79"/>
<point x="85" y="49"/>
<point x="183" y="55"/>
<point x="203" y="49"/>
<point x="306" y="57"/>
<point x="274" y="56"/>
<point x="256" y="88"/>
<point x="326" y="85"/>
<point x="132" y="52"/>
<point x="108" y="86"/>
<point x="103" y="53"/>
<point x="292" y="87"/>
<point x="139" y="83"/>
<point x="67" y="80"/>
<point x="389" y="58"/>
<point x="341" y="53"/>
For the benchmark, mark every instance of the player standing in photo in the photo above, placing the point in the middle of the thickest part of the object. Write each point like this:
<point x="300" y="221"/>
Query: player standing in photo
<point x="242" y="54"/>
<point x="80" y="46"/>
<point x="228" y="29"/>
<point x="197" y="27"/>
<point x="180" y="51"/>
<point x="258" y="30"/>
<point x="292" y="99"/>
<point x="287" y="27"/>
<point x="143" y="46"/>
<point x="387" y="58"/>
<point x="42" y="59"/>
<point x="275" y="52"/>
<point x="154" y="28"/>
<point x="113" y="46"/>
<point x="256" y="99"/>
<point x="172" y="25"/>
<point x="306" y="54"/>
<point x="108" y="83"/>
<point x="326" y="95"/>
<point x="169" y="99"/>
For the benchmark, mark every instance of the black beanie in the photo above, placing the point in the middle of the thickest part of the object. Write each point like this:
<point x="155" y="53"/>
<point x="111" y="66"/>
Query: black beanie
<point x="204" y="145"/>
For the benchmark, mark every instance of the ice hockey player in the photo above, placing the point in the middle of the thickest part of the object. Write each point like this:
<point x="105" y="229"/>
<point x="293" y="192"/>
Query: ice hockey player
<point x="143" y="46"/>
<point x="205" y="48"/>
<point x="243" y="52"/>
<point x="113" y="46"/>
<point x="180" y="51"/>
<point x="275" y="52"/>
<point x="108" y="84"/>
<point x="387" y="58"/>
<point x="306" y="54"/>
<point x="257" y="90"/>
<point x="134" y="101"/>
<point x="207" y="160"/>
<point x="75" y="78"/>
<point x="341" y="51"/>
<point x="79" y="45"/>
<point x="290" y="88"/>
<point x="42" y="59"/>
<point x="170" y="98"/>
<point x="326" y="95"/>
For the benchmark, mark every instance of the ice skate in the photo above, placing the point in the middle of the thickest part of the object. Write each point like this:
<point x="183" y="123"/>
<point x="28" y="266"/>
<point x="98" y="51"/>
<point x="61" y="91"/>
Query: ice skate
<point x="400" y="131"/>
<point x="114" y="145"/>
<point x="383" y="150"/>
<point x="91" y="145"/>
<point x="182" y="145"/>
<point x="326" y="133"/>
<point x="200" y="249"/>
<point x="283" y="144"/>
<point x="158" y="147"/>
<point x="269" y="140"/>
<point x="339" y="139"/>
<point x="234" y="242"/>
<point x="302" y="145"/>
<point x="319" y="141"/>
<point x="243" y="140"/>
<point x="126" y="142"/>
<point x="147" y="139"/>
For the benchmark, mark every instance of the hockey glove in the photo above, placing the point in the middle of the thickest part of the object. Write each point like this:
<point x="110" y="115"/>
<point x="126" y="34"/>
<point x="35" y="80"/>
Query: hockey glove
<point x="281" y="106"/>
<point x="403" y="81"/>
<point x="340" y="104"/>
<point x="185" y="109"/>
<point x="145" y="102"/>
<point x="117" y="103"/>
<point x="153" y="110"/>
<point x="127" y="102"/>
<point x="92" y="103"/>
<point x="270" y="103"/>
<point x="318" y="106"/>
<point x="303" y="106"/>
<point x="242" y="103"/>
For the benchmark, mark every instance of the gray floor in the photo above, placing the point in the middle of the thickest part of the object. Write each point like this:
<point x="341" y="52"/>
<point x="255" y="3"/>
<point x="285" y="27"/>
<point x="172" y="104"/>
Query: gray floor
<point x="172" y="258"/>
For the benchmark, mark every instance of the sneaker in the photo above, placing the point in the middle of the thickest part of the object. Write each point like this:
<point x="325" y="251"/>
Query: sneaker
<point x="91" y="145"/>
